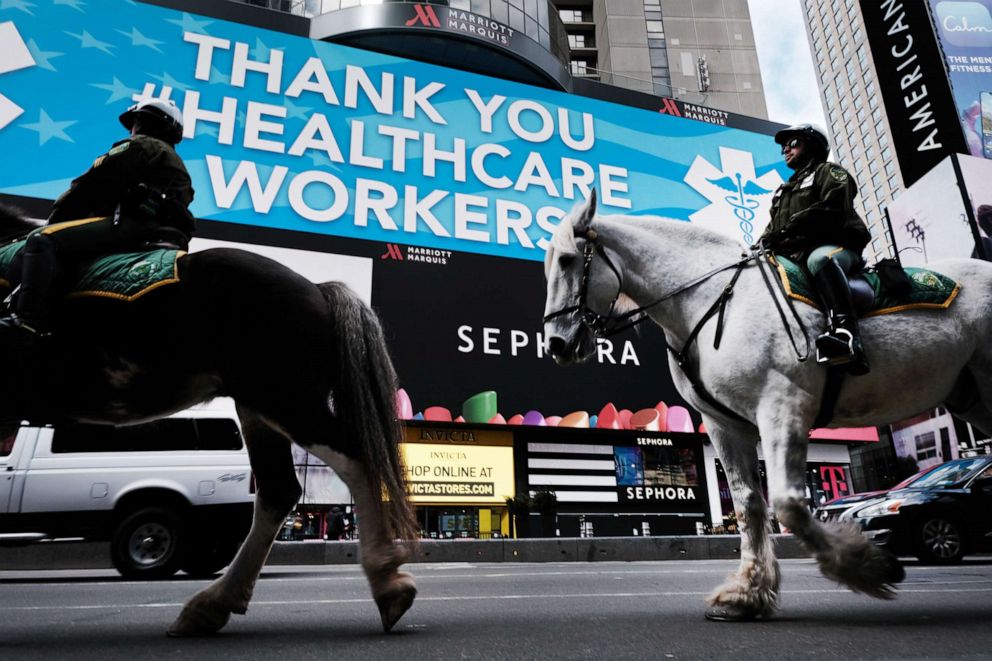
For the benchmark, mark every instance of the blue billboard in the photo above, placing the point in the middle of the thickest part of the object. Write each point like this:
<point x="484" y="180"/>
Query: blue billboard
<point x="965" y="31"/>
<point x="288" y="133"/>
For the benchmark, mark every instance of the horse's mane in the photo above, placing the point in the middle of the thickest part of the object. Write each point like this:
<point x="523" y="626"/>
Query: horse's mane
<point x="715" y="243"/>
<point x="563" y="238"/>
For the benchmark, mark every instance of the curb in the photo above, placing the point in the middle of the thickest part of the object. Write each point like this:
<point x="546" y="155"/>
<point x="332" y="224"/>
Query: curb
<point x="96" y="555"/>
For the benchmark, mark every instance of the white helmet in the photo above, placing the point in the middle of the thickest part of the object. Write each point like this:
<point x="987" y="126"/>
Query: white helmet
<point x="164" y="110"/>
<point x="810" y="132"/>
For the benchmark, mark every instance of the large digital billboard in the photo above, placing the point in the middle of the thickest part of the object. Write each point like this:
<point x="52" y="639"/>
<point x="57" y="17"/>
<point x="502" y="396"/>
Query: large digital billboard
<point x="939" y="216"/>
<point x="447" y="183"/>
<point x="913" y="83"/>
<point x="965" y="32"/>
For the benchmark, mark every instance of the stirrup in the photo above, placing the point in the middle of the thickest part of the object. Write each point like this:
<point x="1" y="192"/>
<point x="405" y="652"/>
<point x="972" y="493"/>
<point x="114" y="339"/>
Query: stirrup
<point x="18" y="322"/>
<point x="835" y="347"/>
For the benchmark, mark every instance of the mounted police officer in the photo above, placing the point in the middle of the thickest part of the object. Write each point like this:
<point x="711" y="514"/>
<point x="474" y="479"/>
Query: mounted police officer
<point x="137" y="192"/>
<point x="813" y="221"/>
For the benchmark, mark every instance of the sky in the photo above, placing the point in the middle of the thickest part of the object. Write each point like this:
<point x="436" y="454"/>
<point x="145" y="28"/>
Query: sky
<point x="791" y="89"/>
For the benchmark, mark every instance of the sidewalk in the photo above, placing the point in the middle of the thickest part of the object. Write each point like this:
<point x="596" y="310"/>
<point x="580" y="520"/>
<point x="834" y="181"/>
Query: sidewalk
<point x="96" y="555"/>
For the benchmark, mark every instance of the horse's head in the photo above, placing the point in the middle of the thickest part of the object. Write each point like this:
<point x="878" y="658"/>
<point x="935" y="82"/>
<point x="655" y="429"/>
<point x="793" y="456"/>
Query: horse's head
<point x="579" y="286"/>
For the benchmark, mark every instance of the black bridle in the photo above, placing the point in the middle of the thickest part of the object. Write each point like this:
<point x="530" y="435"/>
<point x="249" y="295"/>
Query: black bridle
<point x="603" y="326"/>
<point x="606" y="325"/>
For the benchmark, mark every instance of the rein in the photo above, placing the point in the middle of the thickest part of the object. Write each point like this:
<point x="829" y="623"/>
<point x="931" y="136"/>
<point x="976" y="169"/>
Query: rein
<point x="607" y="325"/>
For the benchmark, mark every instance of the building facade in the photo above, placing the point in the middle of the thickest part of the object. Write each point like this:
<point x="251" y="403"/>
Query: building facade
<point x="698" y="52"/>
<point x="856" y="117"/>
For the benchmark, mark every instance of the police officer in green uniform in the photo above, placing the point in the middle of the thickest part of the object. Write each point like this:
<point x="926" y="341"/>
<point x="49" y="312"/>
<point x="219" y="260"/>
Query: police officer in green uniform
<point x="813" y="222"/>
<point x="139" y="191"/>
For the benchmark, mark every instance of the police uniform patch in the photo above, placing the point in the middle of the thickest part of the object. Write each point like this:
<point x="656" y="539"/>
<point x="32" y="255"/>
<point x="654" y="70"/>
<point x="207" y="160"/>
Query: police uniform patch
<point x="838" y="174"/>
<point x="119" y="148"/>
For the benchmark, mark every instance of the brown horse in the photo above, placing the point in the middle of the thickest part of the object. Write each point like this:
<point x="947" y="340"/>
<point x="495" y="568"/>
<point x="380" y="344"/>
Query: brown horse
<point x="304" y="363"/>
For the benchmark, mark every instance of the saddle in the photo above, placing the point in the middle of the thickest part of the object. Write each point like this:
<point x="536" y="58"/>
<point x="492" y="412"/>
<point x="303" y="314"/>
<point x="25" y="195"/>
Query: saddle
<point x="121" y="276"/>
<point x="873" y="291"/>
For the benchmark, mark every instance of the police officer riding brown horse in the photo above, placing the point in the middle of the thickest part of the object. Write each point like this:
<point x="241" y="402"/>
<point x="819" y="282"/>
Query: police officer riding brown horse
<point x="304" y="363"/>
<point x="138" y="191"/>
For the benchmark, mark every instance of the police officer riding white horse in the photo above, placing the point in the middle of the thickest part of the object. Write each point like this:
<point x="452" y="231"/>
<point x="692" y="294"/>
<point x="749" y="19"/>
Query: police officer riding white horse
<point x="813" y="222"/>
<point x="139" y="191"/>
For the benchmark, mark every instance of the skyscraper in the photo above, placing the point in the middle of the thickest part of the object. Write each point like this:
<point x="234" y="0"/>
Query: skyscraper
<point x="857" y="122"/>
<point x="701" y="52"/>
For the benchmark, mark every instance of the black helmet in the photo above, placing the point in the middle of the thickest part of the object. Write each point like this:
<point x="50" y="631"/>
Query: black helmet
<point x="809" y="132"/>
<point x="164" y="110"/>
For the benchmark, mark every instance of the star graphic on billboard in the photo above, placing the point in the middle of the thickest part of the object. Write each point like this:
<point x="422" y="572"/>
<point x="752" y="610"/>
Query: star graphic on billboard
<point x="190" y="24"/>
<point x="47" y="128"/>
<point x="75" y="4"/>
<point x="86" y="40"/>
<point x="739" y="200"/>
<point x="42" y="58"/>
<point x="117" y="89"/>
<point x="22" y="5"/>
<point x="138" y="39"/>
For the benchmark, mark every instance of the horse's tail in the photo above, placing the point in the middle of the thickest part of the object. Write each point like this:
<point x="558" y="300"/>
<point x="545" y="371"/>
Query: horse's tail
<point x="364" y="400"/>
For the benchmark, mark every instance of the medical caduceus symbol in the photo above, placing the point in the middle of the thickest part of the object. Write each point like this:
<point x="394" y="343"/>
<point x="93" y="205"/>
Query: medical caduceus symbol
<point x="742" y="200"/>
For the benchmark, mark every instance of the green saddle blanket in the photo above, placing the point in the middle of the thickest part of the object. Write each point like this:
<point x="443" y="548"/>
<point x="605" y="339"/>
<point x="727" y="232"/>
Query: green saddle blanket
<point x="124" y="276"/>
<point x="930" y="289"/>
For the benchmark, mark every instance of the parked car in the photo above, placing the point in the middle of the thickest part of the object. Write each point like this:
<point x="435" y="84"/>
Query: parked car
<point x="832" y="509"/>
<point x="939" y="518"/>
<point x="167" y="495"/>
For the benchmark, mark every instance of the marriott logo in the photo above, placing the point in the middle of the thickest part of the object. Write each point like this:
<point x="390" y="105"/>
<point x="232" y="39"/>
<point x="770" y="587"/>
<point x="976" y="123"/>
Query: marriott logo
<point x="669" y="107"/>
<point x="424" y="15"/>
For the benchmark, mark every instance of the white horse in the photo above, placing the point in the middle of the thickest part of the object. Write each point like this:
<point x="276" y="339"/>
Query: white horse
<point x="755" y="388"/>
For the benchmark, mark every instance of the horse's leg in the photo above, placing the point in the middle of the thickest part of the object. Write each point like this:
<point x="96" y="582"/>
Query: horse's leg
<point x="842" y="552"/>
<point x="971" y="399"/>
<point x="753" y="590"/>
<point x="393" y="590"/>
<point x="278" y="490"/>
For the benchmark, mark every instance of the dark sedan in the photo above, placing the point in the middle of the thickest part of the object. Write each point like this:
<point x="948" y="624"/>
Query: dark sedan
<point x="939" y="518"/>
<point x="833" y="509"/>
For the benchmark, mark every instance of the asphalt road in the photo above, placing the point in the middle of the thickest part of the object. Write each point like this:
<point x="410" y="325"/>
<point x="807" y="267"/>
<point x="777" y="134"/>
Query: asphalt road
<point x="644" y="610"/>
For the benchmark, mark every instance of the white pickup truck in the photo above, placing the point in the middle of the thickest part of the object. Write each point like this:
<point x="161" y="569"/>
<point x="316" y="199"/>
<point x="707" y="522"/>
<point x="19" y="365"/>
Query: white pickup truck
<point x="172" y="494"/>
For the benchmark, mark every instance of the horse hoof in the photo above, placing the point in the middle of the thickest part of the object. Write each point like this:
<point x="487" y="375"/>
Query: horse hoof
<point x="730" y="613"/>
<point x="198" y="621"/>
<point x="394" y="603"/>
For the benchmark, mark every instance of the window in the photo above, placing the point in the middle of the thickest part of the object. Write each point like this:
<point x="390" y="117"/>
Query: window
<point x="8" y="434"/>
<point x="167" y="434"/>
<point x="890" y="169"/>
<point x="926" y="446"/>
<point x="579" y="41"/>
<point x="579" y="67"/>
<point x="574" y="16"/>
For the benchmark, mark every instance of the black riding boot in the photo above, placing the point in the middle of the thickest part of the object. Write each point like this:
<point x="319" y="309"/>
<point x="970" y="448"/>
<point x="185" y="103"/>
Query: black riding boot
<point x="841" y="344"/>
<point x="39" y="286"/>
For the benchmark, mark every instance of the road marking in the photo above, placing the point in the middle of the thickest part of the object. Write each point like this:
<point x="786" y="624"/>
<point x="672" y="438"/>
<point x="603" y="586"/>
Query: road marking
<point x="504" y="597"/>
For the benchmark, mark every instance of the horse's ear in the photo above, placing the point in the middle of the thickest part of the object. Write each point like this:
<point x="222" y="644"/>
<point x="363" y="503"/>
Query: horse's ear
<point x="583" y="219"/>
